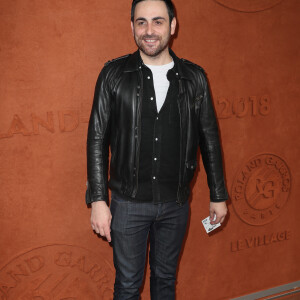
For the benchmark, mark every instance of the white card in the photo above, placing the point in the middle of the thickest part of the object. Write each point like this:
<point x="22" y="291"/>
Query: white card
<point x="210" y="227"/>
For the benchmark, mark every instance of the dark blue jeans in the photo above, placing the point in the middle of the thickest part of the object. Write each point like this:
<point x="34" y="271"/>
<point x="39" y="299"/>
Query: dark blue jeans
<point x="131" y="224"/>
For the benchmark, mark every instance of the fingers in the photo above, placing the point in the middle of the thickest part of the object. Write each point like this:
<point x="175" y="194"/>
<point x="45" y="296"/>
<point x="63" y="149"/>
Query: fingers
<point x="107" y="233"/>
<point x="101" y="219"/>
<point x="212" y="215"/>
<point x="103" y="230"/>
<point x="222" y="219"/>
<point x="220" y="210"/>
<point x="96" y="228"/>
<point x="219" y="219"/>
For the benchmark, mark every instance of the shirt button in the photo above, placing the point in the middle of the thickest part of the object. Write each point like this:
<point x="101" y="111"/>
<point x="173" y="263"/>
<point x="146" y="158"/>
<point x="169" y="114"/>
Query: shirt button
<point x="155" y="158"/>
<point x="151" y="98"/>
<point x="177" y="74"/>
<point x="154" y="177"/>
<point x="137" y="94"/>
<point x="138" y="87"/>
<point x="156" y="139"/>
<point x="148" y="77"/>
<point x="156" y="118"/>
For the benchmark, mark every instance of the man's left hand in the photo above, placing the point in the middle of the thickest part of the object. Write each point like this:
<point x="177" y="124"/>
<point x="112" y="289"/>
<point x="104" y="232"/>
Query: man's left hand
<point x="218" y="208"/>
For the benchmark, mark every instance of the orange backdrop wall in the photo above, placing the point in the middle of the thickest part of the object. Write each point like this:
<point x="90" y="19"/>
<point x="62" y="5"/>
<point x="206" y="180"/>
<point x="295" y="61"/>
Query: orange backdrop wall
<point x="51" y="53"/>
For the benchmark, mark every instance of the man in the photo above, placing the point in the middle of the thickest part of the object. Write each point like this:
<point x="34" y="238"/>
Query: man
<point x="154" y="110"/>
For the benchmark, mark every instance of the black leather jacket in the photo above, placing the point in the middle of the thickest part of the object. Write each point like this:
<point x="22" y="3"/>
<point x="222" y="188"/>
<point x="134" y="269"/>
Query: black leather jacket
<point x="116" y="121"/>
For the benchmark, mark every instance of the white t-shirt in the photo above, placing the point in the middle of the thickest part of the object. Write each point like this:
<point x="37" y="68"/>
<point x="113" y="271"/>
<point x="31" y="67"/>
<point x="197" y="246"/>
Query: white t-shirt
<point x="161" y="82"/>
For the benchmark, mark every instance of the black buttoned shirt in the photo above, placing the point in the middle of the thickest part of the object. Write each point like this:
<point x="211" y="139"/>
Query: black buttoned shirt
<point x="158" y="171"/>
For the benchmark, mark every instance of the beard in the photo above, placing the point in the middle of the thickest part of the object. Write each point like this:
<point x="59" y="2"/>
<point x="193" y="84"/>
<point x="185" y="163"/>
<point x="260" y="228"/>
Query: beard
<point x="152" y="51"/>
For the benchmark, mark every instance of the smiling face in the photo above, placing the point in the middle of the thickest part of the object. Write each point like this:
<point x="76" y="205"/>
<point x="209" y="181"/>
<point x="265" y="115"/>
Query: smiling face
<point x="151" y="29"/>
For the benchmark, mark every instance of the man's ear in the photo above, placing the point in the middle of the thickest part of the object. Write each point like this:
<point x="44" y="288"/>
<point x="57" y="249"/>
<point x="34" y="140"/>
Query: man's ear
<point x="132" y="30"/>
<point x="173" y="25"/>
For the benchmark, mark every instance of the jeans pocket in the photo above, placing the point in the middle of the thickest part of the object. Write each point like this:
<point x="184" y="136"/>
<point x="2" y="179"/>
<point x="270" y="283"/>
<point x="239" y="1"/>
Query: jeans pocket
<point x="118" y="198"/>
<point x="119" y="211"/>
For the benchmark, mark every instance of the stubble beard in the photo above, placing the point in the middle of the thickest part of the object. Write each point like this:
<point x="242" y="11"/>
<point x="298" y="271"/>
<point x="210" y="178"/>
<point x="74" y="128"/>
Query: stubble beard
<point x="152" y="52"/>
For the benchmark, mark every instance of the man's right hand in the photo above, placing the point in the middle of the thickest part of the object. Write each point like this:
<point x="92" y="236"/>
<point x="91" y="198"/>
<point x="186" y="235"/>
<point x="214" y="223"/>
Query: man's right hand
<point x="101" y="219"/>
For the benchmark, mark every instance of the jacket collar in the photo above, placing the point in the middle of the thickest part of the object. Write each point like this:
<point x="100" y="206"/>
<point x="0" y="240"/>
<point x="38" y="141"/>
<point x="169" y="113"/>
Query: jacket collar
<point x="134" y="63"/>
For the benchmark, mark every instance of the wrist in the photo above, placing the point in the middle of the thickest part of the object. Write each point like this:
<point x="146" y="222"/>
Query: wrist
<point x="97" y="203"/>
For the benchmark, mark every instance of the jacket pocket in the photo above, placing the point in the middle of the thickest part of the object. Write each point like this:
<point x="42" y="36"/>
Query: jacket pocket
<point x="190" y="167"/>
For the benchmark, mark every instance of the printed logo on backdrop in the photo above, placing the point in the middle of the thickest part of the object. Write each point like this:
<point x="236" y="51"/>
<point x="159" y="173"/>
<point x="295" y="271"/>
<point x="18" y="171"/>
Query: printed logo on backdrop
<point x="261" y="189"/>
<point x="248" y="5"/>
<point x="69" y="120"/>
<point x="243" y="107"/>
<point x="57" y="272"/>
<point x="51" y="122"/>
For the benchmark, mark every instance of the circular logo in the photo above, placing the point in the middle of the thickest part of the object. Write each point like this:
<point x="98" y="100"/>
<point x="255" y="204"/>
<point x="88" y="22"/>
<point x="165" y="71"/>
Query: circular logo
<point x="248" y="5"/>
<point x="57" y="272"/>
<point x="261" y="188"/>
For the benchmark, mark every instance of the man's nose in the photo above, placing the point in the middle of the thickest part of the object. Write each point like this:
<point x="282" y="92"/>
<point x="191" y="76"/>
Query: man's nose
<point x="149" y="29"/>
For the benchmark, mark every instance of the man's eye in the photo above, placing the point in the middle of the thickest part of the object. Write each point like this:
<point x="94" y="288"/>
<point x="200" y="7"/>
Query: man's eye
<point x="141" y="23"/>
<point x="158" y="22"/>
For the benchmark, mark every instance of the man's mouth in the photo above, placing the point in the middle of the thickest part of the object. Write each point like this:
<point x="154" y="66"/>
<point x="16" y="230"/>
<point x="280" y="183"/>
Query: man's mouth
<point x="150" y="40"/>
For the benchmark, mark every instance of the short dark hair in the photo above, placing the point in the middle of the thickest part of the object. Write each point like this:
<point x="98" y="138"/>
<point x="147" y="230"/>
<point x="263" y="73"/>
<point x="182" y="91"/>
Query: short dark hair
<point x="168" y="3"/>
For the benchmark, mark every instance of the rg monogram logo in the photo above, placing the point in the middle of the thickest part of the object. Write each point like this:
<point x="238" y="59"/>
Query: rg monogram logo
<point x="265" y="188"/>
<point x="261" y="189"/>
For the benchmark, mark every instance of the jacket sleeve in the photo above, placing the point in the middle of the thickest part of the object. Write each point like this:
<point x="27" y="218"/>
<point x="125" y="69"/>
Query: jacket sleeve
<point x="210" y="145"/>
<point x="98" y="141"/>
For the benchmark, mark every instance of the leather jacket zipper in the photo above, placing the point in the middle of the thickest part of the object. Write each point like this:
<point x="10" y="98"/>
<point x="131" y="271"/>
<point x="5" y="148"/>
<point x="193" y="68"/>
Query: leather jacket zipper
<point x="178" y="201"/>
<point x="137" y="156"/>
